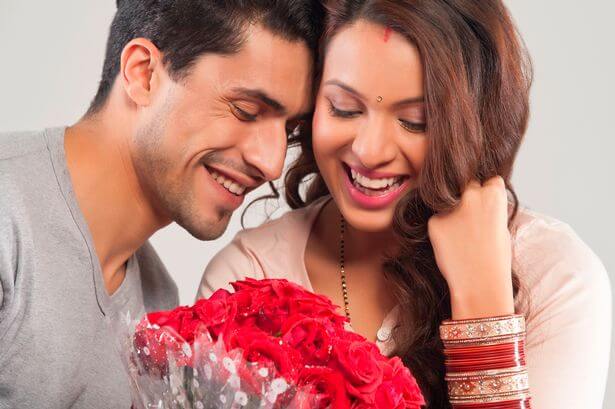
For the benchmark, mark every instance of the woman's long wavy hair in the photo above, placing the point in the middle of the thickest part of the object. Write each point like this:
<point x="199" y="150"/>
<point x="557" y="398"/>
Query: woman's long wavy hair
<point x="477" y="77"/>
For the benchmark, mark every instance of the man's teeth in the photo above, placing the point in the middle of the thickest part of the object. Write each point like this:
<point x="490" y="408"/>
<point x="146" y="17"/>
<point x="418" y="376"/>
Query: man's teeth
<point x="230" y="185"/>
<point x="368" y="183"/>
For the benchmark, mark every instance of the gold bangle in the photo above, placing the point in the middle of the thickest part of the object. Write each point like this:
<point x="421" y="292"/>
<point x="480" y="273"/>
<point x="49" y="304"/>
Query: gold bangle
<point x="479" y="386"/>
<point x="491" y="399"/>
<point x="455" y="330"/>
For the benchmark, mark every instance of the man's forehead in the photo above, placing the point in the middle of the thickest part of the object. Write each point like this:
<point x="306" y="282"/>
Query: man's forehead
<point x="279" y="68"/>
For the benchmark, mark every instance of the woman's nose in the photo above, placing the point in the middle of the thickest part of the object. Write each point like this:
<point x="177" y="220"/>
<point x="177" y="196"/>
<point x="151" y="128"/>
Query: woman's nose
<point x="374" y="144"/>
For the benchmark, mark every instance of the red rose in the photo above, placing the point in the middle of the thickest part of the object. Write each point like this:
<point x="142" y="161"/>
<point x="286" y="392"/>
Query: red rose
<point x="403" y="381"/>
<point x="156" y="346"/>
<point x="216" y="312"/>
<point x="172" y="319"/>
<point x="359" y="361"/>
<point x="328" y="384"/>
<point x="311" y="337"/>
<point x="258" y="346"/>
<point x="388" y="396"/>
<point x="290" y="331"/>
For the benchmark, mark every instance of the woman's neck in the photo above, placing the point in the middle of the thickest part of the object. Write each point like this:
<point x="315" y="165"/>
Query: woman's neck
<point x="367" y="247"/>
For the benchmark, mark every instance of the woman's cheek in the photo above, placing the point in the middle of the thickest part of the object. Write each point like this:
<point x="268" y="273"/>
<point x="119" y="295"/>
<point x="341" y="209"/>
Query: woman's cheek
<point x="330" y="135"/>
<point x="323" y="136"/>
<point x="415" y="151"/>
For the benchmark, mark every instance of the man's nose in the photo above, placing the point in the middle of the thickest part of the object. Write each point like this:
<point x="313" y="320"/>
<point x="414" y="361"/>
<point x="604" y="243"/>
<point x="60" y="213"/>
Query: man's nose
<point x="265" y="150"/>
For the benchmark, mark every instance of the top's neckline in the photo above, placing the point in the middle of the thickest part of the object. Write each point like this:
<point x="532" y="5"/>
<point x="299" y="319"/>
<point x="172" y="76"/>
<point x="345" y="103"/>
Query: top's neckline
<point x="54" y="138"/>
<point x="384" y="333"/>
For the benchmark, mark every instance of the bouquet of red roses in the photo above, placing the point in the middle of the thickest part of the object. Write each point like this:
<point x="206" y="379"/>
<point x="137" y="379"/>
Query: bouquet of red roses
<point x="269" y="344"/>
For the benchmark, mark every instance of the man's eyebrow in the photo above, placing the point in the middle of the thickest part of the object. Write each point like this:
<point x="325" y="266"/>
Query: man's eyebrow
<point x="347" y="88"/>
<point x="263" y="97"/>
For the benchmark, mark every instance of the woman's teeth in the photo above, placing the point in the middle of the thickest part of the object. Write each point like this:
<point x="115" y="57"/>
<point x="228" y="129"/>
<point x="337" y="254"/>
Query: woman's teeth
<point x="228" y="184"/>
<point x="364" y="182"/>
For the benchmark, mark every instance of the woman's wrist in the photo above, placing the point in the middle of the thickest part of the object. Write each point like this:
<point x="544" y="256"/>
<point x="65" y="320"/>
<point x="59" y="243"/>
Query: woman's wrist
<point x="482" y="301"/>
<point x="485" y="362"/>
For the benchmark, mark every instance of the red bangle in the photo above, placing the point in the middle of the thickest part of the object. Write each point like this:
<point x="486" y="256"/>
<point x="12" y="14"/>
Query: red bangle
<point x="511" y="404"/>
<point x="485" y="363"/>
<point x="479" y="358"/>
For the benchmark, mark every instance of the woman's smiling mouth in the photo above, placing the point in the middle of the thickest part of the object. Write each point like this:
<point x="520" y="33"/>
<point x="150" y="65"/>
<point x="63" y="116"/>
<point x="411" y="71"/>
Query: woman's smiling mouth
<point x="373" y="190"/>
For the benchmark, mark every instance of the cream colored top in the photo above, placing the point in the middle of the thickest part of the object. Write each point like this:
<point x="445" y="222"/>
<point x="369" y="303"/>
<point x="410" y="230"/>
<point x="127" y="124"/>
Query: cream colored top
<point x="569" y="319"/>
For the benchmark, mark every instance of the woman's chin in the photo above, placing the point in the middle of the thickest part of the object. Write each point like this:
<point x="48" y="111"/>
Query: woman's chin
<point x="369" y="221"/>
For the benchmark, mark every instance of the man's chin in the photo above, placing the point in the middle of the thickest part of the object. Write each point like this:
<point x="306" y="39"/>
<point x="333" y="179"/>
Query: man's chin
<point x="206" y="230"/>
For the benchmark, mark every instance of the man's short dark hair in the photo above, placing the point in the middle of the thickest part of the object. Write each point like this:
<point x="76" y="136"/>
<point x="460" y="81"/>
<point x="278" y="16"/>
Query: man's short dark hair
<point x="186" y="29"/>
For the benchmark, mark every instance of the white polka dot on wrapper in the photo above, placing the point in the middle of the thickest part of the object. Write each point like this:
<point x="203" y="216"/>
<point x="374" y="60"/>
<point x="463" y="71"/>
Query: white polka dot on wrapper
<point x="241" y="398"/>
<point x="279" y="386"/>
<point x="229" y="365"/>
<point x="187" y="350"/>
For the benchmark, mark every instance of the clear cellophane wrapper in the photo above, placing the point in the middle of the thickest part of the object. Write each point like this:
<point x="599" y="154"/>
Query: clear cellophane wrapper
<point x="166" y="372"/>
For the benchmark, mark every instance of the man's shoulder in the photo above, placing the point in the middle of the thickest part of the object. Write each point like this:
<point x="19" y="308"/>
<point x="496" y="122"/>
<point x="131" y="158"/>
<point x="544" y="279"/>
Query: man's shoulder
<point x="159" y="288"/>
<point x="25" y="167"/>
<point x="21" y="143"/>
<point x="21" y="154"/>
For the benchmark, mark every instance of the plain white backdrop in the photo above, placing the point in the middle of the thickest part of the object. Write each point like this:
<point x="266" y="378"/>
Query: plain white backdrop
<point x="51" y="56"/>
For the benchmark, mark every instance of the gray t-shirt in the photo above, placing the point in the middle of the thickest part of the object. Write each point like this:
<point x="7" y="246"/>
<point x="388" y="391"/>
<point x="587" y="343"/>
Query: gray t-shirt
<point x="56" y="349"/>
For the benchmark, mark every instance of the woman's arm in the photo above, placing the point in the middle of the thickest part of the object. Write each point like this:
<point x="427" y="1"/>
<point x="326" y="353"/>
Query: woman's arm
<point x="565" y="295"/>
<point x="566" y="291"/>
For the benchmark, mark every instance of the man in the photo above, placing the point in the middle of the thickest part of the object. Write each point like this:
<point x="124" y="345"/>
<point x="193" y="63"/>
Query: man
<point x="193" y="111"/>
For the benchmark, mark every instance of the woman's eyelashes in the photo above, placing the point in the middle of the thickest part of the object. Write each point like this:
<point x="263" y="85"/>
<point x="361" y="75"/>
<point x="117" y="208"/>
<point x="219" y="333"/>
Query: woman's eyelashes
<point x="417" y="127"/>
<point x="410" y="126"/>
<point x="334" y="111"/>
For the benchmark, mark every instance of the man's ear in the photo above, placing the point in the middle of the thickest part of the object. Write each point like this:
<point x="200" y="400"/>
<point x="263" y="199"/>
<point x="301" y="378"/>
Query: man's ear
<point x="138" y="64"/>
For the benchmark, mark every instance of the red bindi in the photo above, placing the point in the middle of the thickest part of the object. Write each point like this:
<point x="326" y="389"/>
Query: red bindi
<point x="387" y="34"/>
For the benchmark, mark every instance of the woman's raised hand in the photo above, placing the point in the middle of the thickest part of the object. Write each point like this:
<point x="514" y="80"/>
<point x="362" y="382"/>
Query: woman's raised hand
<point x="472" y="247"/>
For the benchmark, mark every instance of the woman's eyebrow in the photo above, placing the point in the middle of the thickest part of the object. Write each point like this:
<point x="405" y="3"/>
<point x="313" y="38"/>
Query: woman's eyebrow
<point x="348" y="88"/>
<point x="345" y="87"/>
<point x="409" y="101"/>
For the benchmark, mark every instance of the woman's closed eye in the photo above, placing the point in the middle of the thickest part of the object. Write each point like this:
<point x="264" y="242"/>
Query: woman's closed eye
<point x="411" y="126"/>
<point x="343" y="113"/>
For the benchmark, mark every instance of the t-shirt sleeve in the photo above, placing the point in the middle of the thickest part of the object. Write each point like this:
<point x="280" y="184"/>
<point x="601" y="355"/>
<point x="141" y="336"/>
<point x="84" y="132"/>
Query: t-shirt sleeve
<point x="234" y="262"/>
<point x="569" y="320"/>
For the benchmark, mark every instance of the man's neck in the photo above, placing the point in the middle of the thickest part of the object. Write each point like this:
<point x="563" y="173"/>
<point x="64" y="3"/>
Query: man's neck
<point x="116" y="209"/>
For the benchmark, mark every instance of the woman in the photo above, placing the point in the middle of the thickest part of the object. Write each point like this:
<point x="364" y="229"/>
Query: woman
<point x="410" y="220"/>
